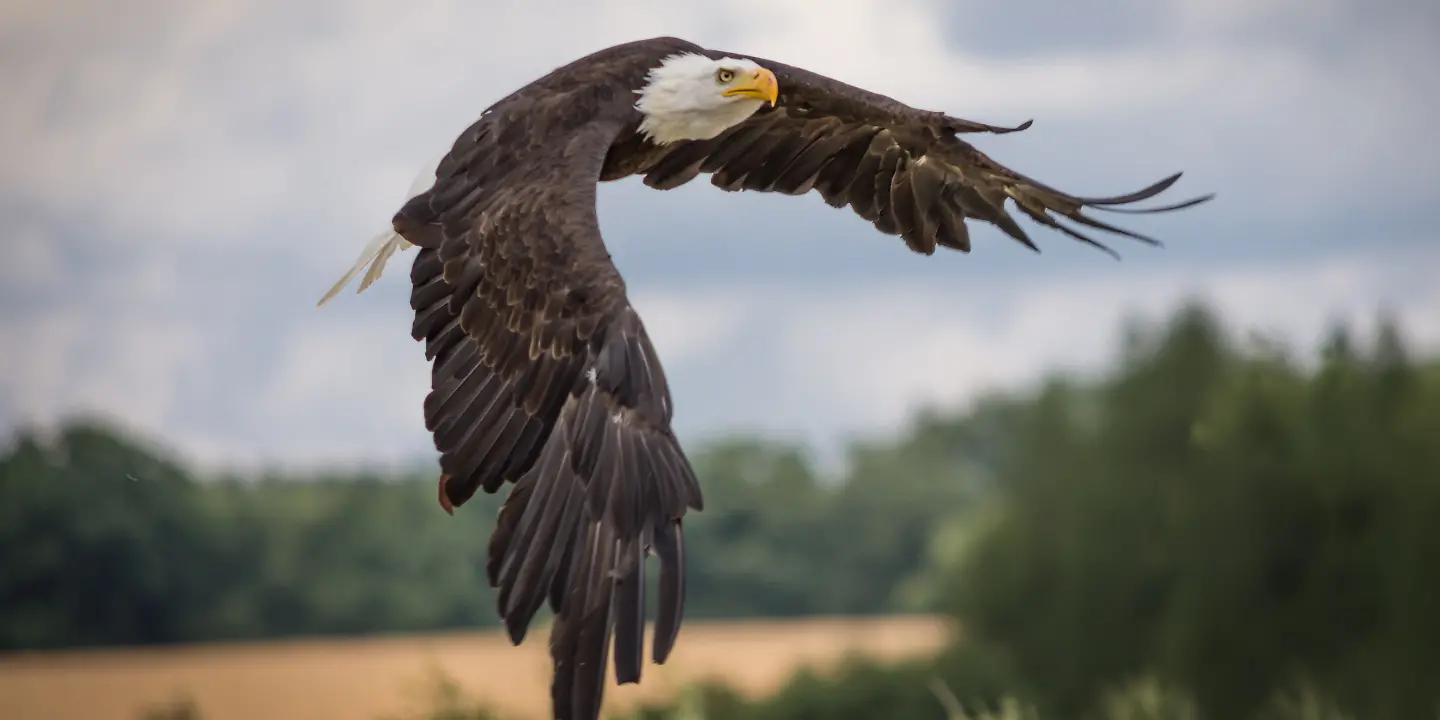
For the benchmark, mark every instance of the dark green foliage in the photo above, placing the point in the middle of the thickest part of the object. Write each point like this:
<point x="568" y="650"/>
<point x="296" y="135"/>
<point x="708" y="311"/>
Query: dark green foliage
<point x="108" y="544"/>
<point x="1226" y="520"/>
<point x="93" y="527"/>
<point x="857" y="689"/>
<point x="776" y="540"/>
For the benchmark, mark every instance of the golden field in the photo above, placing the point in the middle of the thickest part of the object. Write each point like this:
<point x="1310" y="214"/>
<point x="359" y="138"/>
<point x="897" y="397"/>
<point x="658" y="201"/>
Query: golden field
<point x="365" y="678"/>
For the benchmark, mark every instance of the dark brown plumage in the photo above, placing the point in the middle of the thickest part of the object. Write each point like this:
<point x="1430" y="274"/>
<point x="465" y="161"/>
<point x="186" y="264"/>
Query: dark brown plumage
<point x="542" y="373"/>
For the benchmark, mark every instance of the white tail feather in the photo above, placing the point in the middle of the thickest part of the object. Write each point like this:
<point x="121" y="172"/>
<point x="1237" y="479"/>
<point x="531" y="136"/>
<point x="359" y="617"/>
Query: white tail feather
<point x="383" y="245"/>
<point x="375" y="254"/>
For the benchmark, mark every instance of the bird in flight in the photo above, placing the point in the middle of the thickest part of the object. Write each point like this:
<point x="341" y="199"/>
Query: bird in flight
<point x="542" y="374"/>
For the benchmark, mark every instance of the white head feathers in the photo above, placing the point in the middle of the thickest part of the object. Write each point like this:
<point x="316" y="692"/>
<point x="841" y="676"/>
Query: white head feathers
<point x="691" y="97"/>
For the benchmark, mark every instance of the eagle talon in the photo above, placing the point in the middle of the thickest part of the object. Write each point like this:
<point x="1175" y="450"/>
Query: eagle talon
<point x="444" y="498"/>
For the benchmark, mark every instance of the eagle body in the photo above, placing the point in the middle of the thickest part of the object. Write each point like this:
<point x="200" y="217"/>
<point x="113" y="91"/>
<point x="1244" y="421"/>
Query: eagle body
<point x="543" y="376"/>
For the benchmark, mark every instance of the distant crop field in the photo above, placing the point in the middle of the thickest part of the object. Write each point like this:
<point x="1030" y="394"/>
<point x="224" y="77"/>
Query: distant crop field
<point x="367" y="678"/>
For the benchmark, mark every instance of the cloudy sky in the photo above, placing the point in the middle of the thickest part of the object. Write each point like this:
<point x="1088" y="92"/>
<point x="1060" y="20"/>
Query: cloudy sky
<point x="181" y="181"/>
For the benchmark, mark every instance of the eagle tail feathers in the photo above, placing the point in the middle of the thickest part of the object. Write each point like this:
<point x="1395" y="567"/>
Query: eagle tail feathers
<point x="376" y="253"/>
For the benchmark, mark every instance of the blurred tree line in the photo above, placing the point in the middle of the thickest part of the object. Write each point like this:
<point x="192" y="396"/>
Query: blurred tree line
<point x="1211" y="517"/>
<point x="108" y="540"/>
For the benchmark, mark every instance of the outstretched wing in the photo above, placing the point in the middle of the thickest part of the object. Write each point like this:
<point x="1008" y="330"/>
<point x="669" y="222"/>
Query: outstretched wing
<point x="543" y="375"/>
<point x="904" y="170"/>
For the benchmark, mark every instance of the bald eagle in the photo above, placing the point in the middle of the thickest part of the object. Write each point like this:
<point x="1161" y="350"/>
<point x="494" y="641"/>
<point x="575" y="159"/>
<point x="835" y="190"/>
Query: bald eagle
<point x="542" y="373"/>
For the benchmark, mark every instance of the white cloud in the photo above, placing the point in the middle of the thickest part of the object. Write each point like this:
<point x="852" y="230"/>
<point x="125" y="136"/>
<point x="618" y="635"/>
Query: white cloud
<point x="1223" y="16"/>
<point x="343" y="382"/>
<point x="688" y="325"/>
<point x="32" y="262"/>
<point x="119" y="364"/>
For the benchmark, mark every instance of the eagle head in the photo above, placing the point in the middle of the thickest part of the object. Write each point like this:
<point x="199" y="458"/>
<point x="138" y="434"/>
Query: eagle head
<point x="691" y="97"/>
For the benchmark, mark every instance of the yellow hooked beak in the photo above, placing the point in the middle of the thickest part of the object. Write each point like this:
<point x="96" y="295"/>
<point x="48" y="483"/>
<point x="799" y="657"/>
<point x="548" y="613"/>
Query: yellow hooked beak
<point x="760" y="85"/>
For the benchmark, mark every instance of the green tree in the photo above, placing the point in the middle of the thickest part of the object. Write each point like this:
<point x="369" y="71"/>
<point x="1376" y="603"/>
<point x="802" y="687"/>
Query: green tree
<point x="102" y="544"/>
<point x="1226" y="521"/>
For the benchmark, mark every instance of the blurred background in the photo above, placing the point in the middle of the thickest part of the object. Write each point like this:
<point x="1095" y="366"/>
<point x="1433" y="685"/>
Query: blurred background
<point x="1197" y="483"/>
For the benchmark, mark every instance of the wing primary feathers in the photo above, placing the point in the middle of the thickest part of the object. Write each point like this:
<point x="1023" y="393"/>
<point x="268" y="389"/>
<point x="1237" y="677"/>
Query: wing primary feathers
<point x="1048" y="221"/>
<point x="835" y="176"/>
<point x="952" y="232"/>
<point x="890" y="164"/>
<point x="581" y="633"/>
<point x="629" y="602"/>
<point x="976" y="205"/>
<point x="612" y="468"/>
<point x="1138" y="195"/>
<point x="860" y="189"/>
<point x="957" y="125"/>
<point x="669" y="546"/>
<point x="1164" y="208"/>
<point x="525" y="545"/>
<point x="1088" y="221"/>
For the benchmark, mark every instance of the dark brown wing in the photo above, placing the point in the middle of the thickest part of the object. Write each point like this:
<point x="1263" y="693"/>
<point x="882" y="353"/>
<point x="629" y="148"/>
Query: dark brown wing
<point x="900" y="168"/>
<point x="544" y="376"/>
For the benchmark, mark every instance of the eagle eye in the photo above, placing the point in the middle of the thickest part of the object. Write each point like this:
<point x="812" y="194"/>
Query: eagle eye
<point x="724" y="76"/>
